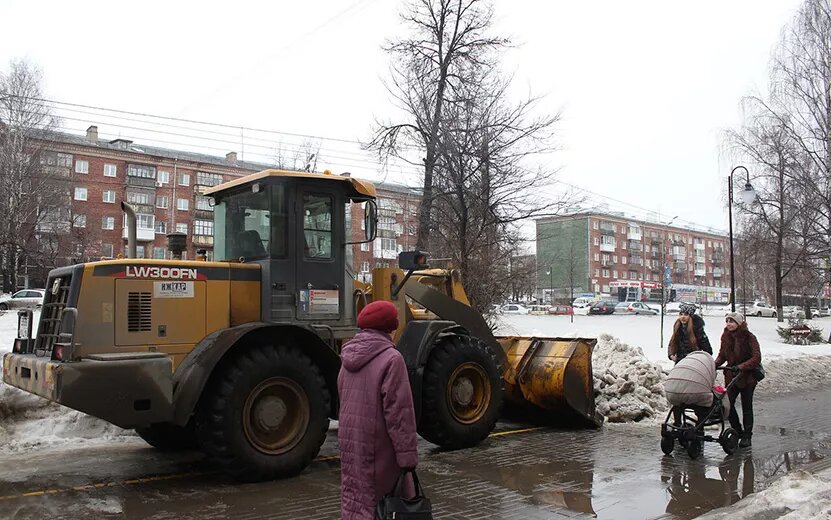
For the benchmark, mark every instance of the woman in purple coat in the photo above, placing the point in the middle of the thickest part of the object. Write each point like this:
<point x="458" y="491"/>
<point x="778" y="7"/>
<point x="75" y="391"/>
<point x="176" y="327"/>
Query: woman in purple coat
<point x="377" y="427"/>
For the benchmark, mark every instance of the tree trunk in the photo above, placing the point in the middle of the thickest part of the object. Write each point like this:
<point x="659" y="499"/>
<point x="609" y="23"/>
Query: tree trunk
<point x="777" y="273"/>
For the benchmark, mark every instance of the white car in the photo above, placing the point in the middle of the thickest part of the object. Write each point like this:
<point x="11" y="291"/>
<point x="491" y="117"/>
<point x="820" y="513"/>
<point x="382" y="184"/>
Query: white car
<point x="581" y="303"/>
<point x="792" y="312"/>
<point x="25" y="299"/>
<point x="514" y="308"/>
<point x="640" y="308"/>
<point x="756" y="308"/>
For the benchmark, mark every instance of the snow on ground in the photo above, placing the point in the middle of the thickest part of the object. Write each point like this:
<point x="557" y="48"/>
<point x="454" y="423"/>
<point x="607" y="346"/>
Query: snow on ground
<point x="28" y="422"/>
<point x="799" y="495"/>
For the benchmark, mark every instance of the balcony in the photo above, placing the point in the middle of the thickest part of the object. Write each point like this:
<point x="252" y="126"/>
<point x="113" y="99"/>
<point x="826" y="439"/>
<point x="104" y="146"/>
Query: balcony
<point x="700" y="272"/>
<point x="680" y="257"/>
<point x="634" y="234"/>
<point x="635" y="245"/>
<point x="144" y="182"/>
<point x="699" y="246"/>
<point x="203" y="214"/>
<point x="142" y="234"/>
<point x="717" y="273"/>
<point x="635" y="260"/>
<point x="203" y="240"/>
<point x="608" y="247"/>
<point x="607" y="229"/>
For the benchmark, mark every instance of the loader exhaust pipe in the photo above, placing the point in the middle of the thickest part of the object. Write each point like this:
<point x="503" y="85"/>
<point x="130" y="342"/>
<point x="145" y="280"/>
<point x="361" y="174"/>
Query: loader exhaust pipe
<point x="131" y="229"/>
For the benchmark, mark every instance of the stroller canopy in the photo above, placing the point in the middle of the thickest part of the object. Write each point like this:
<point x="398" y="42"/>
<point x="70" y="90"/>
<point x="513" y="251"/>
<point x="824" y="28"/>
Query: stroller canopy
<point x="691" y="381"/>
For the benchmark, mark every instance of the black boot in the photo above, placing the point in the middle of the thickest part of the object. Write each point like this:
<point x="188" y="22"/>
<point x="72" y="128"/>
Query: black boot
<point x="745" y="442"/>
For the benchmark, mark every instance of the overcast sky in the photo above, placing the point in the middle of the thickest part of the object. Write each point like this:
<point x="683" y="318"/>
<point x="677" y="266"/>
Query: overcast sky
<point x="645" y="87"/>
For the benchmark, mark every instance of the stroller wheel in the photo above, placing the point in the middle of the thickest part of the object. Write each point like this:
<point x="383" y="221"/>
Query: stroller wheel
<point x="694" y="448"/>
<point x="729" y="440"/>
<point x="667" y="444"/>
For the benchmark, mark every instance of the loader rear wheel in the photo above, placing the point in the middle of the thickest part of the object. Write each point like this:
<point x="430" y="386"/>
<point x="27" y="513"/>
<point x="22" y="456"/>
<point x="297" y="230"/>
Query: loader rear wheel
<point x="265" y="415"/>
<point x="169" y="437"/>
<point x="462" y="393"/>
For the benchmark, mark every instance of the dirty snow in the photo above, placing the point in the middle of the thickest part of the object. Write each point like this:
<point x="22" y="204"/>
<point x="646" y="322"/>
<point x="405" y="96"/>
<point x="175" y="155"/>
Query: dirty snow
<point x="799" y="495"/>
<point x="628" y="386"/>
<point x="28" y="422"/>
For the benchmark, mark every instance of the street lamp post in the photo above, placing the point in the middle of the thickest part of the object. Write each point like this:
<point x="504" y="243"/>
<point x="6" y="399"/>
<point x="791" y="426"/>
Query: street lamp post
<point x="747" y="195"/>
<point x="664" y="277"/>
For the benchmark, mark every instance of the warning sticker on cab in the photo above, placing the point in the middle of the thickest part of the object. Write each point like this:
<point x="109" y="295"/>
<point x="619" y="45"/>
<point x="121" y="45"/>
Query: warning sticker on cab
<point x="173" y="289"/>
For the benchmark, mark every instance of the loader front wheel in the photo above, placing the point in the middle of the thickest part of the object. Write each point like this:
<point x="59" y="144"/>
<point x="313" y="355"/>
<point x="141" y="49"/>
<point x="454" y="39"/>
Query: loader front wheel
<point x="265" y="416"/>
<point x="462" y="393"/>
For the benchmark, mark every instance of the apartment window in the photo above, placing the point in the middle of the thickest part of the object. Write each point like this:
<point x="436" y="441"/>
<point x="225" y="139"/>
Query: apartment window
<point x="623" y="275"/>
<point x="56" y="159"/>
<point x="139" y="251"/>
<point x="388" y="244"/>
<point x="623" y="244"/>
<point x="184" y="179"/>
<point x="365" y="247"/>
<point x="164" y="177"/>
<point x="158" y="253"/>
<point x="141" y="170"/>
<point x="365" y="267"/>
<point x="605" y="273"/>
<point x="108" y="196"/>
<point x="182" y="204"/>
<point x="596" y="241"/>
<point x="80" y="193"/>
<point x="161" y="201"/>
<point x="623" y="260"/>
<point x="647" y="249"/>
<point x="596" y="225"/>
<point x="107" y="250"/>
<point x="161" y="227"/>
<point x="597" y="257"/>
<point x="614" y="259"/>
<point x="81" y="166"/>
<point x="110" y="170"/>
<point x="182" y="228"/>
<point x="144" y="221"/>
<point x="614" y="274"/>
<point x="204" y="204"/>
<point x="108" y="223"/>
<point x="208" y="179"/>
<point x="596" y="272"/>
<point x="138" y="197"/>
<point x="79" y="221"/>
<point x="203" y="227"/>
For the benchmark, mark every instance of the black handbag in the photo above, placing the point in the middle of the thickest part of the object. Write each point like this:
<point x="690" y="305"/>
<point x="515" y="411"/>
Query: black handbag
<point x="395" y="506"/>
<point x="759" y="372"/>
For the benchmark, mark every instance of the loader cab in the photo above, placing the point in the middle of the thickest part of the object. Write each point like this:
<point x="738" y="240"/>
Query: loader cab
<point x="296" y="226"/>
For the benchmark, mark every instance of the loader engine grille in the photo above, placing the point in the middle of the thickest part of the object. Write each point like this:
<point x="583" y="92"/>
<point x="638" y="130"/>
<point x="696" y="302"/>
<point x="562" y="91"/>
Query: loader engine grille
<point x="139" y="312"/>
<point x="55" y="301"/>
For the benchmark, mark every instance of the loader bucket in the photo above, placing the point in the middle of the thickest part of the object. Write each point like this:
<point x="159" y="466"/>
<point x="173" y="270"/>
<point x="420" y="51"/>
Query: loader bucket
<point x="551" y="375"/>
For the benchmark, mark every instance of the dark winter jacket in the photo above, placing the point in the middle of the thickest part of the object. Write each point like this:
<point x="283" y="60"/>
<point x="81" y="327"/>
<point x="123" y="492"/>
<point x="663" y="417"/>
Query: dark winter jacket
<point x="740" y="348"/>
<point x="377" y="428"/>
<point x="689" y="338"/>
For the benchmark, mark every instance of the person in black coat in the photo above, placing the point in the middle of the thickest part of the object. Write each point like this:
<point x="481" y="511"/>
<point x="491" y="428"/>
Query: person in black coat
<point x="688" y="334"/>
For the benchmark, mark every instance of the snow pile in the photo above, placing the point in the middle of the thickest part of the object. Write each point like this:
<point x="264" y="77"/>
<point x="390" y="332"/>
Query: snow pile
<point x="28" y="422"/>
<point x="628" y="387"/>
<point x="799" y="495"/>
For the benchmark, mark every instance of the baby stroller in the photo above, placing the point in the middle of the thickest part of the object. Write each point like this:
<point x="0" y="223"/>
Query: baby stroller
<point x="696" y="403"/>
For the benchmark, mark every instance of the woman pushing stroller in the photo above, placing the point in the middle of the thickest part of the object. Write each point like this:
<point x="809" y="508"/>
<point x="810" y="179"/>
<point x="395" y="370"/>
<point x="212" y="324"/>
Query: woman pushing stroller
<point x="740" y="350"/>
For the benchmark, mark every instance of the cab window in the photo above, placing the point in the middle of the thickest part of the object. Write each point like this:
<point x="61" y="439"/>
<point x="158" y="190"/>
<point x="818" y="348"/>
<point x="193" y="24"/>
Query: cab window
<point x="317" y="226"/>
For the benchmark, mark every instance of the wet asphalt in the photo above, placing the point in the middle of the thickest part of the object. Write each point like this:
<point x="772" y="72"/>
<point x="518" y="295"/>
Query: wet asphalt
<point x="617" y="472"/>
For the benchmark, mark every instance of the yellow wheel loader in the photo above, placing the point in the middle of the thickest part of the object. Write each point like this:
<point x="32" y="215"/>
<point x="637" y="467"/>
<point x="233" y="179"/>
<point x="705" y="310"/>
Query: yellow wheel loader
<point x="239" y="358"/>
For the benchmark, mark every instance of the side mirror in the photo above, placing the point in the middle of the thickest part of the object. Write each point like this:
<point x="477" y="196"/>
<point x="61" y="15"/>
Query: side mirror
<point x="413" y="260"/>
<point x="370" y="220"/>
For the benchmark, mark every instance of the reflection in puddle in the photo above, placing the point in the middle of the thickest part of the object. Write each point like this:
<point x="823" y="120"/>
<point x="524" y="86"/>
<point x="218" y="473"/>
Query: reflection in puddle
<point x="694" y="488"/>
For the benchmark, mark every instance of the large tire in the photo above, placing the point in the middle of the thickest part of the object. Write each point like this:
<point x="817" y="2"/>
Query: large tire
<point x="169" y="437"/>
<point x="667" y="444"/>
<point x="265" y="416"/>
<point x="463" y="392"/>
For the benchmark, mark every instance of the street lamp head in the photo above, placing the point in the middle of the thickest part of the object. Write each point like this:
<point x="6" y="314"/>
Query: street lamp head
<point x="547" y="272"/>
<point x="748" y="194"/>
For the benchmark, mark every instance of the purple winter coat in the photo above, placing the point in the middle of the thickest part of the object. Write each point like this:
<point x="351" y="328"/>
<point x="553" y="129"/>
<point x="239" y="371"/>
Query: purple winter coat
<point x="377" y="427"/>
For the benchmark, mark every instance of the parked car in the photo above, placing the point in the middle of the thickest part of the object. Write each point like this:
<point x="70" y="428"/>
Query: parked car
<point x="514" y="308"/>
<point x="581" y="302"/>
<point x="538" y="310"/>
<point x="602" y="307"/>
<point x="561" y="309"/>
<point x="622" y="307"/>
<point x="792" y="312"/>
<point x="640" y="308"/>
<point x="756" y="308"/>
<point x="820" y="313"/>
<point x="25" y="299"/>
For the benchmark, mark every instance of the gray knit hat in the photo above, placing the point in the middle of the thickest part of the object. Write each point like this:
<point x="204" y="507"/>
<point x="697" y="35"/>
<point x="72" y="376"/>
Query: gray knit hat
<point x="735" y="316"/>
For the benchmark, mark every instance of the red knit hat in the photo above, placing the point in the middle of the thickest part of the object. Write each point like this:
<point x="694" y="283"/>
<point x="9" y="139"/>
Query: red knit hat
<point x="380" y="315"/>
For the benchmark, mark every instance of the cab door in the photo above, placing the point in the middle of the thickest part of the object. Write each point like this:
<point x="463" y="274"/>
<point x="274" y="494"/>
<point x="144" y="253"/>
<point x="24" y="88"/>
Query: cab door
<point x="320" y="250"/>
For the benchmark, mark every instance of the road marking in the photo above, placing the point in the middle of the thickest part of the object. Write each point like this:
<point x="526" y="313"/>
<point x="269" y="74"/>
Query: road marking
<point x="176" y="476"/>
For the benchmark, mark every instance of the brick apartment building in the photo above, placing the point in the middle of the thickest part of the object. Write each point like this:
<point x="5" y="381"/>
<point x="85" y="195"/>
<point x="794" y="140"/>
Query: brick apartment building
<point x="164" y="186"/>
<point x="626" y="258"/>
<point x="397" y="228"/>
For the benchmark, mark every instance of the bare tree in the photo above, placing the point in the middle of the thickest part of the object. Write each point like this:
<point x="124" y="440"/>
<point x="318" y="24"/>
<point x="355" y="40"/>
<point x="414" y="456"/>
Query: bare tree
<point x="298" y="158"/>
<point x="447" y="37"/>
<point x="29" y="186"/>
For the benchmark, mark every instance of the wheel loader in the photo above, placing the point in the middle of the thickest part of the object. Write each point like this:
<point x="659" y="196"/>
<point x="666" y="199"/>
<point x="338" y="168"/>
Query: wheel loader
<point x="239" y="357"/>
